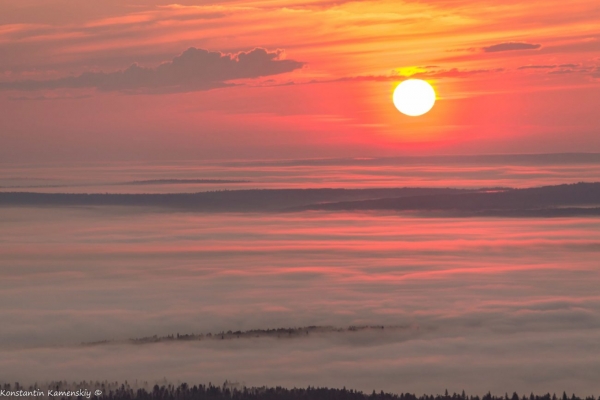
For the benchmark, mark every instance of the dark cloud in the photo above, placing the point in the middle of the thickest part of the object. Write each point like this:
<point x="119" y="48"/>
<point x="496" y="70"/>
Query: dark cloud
<point x="195" y="69"/>
<point x="510" y="46"/>
<point x="537" y="67"/>
<point x="561" y="71"/>
<point x="549" y="66"/>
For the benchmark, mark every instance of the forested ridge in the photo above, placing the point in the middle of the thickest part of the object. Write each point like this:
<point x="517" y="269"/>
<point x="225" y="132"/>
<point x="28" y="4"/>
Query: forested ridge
<point x="253" y="333"/>
<point x="579" y="199"/>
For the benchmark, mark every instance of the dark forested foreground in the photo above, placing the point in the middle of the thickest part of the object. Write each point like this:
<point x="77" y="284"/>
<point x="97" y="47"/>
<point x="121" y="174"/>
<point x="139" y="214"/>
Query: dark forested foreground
<point x="118" y="391"/>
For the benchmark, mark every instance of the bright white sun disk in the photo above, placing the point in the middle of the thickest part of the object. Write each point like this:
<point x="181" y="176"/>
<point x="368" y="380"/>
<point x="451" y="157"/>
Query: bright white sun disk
<point x="414" y="97"/>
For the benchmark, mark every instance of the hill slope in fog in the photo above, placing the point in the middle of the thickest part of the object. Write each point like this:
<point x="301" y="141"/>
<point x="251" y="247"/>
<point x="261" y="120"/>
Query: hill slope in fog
<point x="559" y="200"/>
<point x="226" y="200"/>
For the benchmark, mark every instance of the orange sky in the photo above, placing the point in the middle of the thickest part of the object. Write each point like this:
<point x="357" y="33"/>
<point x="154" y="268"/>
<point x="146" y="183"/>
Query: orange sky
<point x="511" y="77"/>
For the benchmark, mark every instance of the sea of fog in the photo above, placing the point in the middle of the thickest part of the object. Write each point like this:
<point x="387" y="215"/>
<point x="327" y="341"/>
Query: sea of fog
<point x="475" y="304"/>
<point x="180" y="177"/>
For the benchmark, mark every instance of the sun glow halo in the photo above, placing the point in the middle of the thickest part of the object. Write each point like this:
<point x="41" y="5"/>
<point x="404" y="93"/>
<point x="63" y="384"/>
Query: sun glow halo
<point x="414" y="97"/>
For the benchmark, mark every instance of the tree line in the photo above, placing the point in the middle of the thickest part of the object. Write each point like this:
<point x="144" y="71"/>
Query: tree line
<point x="232" y="391"/>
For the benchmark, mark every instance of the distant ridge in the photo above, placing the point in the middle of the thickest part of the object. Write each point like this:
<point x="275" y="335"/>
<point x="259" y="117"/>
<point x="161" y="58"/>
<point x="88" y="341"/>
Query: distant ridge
<point x="141" y="182"/>
<point x="180" y="181"/>
<point x="548" y="201"/>
<point x="560" y="200"/>
<point x="251" y="200"/>
<point x="479" y="159"/>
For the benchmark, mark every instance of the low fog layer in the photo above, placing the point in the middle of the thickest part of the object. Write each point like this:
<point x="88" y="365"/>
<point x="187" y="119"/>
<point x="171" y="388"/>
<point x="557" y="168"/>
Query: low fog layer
<point x="486" y="304"/>
<point x="442" y="171"/>
<point x="473" y="359"/>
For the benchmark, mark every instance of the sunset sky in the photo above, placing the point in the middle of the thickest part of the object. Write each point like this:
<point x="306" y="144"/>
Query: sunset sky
<point x="239" y="165"/>
<point x="92" y="80"/>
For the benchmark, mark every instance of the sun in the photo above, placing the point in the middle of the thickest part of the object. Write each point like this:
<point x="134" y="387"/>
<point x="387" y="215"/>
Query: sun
<point x="414" y="97"/>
